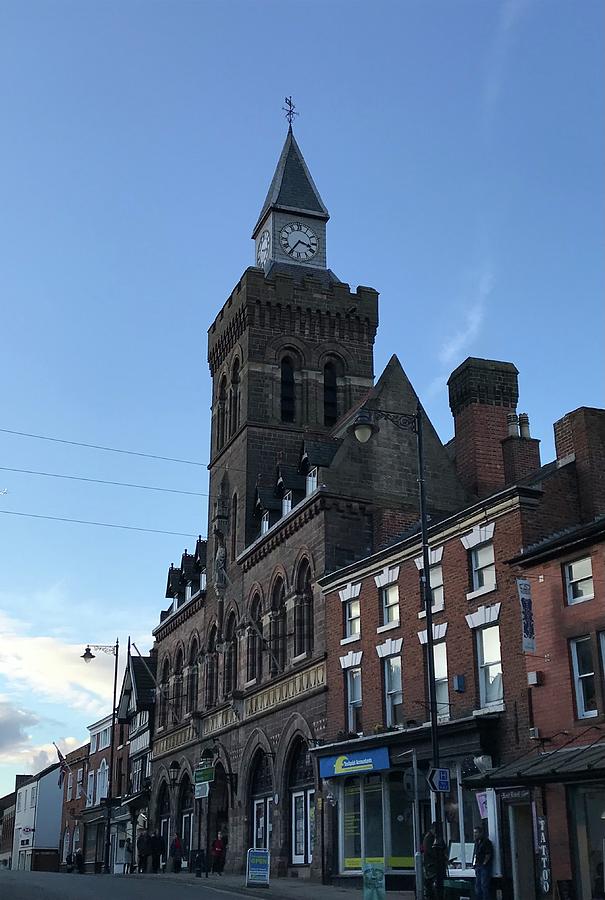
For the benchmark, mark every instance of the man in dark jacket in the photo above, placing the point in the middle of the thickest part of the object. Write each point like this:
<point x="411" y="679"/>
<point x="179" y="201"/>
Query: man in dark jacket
<point x="143" y="850"/>
<point x="434" y="862"/>
<point x="157" y="846"/>
<point x="483" y="856"/>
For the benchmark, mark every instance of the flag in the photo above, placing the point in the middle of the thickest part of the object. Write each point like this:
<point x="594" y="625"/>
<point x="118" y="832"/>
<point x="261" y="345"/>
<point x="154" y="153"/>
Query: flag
<point x="63" y="768"/>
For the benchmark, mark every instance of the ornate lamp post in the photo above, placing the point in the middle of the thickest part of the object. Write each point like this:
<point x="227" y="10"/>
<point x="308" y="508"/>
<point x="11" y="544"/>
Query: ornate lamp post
<point x="88" y="656"/>
<point x="364" y="427"/>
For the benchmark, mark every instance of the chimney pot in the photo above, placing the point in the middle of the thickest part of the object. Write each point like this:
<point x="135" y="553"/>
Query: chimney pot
<point x="513" y="425"/>
<point x="524" y="425"/>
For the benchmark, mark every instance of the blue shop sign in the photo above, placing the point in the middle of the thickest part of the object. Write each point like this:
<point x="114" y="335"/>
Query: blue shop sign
<point x="355" y="763"/>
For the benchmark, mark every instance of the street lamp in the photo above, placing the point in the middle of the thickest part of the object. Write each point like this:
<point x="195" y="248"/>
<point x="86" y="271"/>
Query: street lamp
<point x="364" y="426"/>
<point x="88" y="656"/>
<point x="173" y="772"/>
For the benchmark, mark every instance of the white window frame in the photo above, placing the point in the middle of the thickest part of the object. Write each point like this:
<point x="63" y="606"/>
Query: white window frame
<point x="286" y="503"/>
<point x="312" y="480"/>
<point x="570" y="581"/>
<point x="443" y="711"/>
<point x="70" y="786"/>
<point x="475" y="569"/>
<point x="298" y="859"/>
<point x="79" y="780"/>
<point x="352" y="705"/>
<point x="264" y="522"/>
<point x="582" y="712"/>
<point x="93" y="743"/>
<point x="390" y="695"/>
<point x="389" y="606"/>
<point x="349" y="619"/>
<point x="484" y="665"/>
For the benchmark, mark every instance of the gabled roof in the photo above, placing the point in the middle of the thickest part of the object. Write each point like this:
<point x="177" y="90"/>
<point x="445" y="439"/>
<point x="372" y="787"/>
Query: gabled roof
<point x="265" y="500"/>
<point x="173" y="585"/>
<point x="292" y="188"/>
<point x="289" y="479"/>
<point x="317" y="451"/>
<point x="143" y="678"/>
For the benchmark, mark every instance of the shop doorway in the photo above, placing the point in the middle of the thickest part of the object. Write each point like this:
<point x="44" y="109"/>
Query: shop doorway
<point x="218" y="807"/>
<point x="522" y="850"/>
<point x="301" y="789"/>
<point x="261" y="791"/>
<point x="163" y="818"/>
<point x="185" y="818"/>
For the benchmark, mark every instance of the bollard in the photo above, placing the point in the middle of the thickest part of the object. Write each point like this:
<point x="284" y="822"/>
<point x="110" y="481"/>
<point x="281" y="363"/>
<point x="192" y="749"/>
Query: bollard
<point x="419" y="875"/>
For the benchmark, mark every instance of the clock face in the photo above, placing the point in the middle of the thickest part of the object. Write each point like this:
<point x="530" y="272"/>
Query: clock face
<point x="298" y="241"/>
<point x="263" y="248"/>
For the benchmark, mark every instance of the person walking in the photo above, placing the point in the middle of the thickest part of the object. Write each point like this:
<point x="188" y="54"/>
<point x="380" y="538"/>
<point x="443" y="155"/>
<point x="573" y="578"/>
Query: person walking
<point x="217" y="852"/>
<point x="483" y="856"/>
<point x="434" y="863"/>
<point x="128" y="857"/>
<point x="156" y="848"/>
<point x="176" y="852"/>
<point x="143" y="851"/>
<point x="79" y="861"/>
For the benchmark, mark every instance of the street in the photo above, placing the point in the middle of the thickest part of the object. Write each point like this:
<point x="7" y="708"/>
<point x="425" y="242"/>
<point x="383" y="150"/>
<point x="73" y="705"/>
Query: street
<point x="52" y="886"/>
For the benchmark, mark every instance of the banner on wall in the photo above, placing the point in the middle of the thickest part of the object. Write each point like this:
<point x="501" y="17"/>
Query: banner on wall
<point x="355" y="763"/>
<point x="527" y="615"/>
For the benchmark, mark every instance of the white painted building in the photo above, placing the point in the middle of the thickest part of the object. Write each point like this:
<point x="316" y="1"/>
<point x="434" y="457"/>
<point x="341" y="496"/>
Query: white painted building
<point x="38" y="822"/>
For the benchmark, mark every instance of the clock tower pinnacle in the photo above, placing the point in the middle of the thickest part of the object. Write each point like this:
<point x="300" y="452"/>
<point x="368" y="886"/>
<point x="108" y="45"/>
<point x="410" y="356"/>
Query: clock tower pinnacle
<point x="291" y="228"/>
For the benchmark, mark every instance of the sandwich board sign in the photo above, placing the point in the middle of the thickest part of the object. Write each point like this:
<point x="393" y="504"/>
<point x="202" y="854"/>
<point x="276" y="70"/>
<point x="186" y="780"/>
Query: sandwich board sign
<point x="257" y="868"/>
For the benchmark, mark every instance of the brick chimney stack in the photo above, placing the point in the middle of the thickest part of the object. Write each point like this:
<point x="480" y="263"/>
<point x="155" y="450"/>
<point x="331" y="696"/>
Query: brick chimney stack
<point x="581" y="435"/>
<point x="520" y="452"/>
<point x="482" y="394"/>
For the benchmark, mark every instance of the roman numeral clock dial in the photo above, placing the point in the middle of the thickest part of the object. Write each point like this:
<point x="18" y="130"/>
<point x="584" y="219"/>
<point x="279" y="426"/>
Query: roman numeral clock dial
<point x="298" y="241"/>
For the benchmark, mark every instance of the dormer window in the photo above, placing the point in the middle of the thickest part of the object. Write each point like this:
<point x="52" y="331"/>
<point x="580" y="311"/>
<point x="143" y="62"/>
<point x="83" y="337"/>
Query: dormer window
<point x="312" y="480"/>
<point x="264" y="523"/>
<point x="203" y="581"/>
<point x="286" y="503"/>
<point x="188" y="592"/>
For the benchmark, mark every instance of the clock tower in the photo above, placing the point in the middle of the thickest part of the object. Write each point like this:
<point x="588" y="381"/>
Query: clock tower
<point x="291" y="228"/>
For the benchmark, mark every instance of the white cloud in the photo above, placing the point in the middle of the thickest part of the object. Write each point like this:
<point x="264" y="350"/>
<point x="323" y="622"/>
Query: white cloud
<point x="16" y="745"/>
<point x="472" y="316"/>
<point x="511" y="12"/>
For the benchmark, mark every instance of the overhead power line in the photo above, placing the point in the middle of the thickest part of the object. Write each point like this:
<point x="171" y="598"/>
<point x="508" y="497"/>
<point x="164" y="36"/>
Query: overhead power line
<point x="43" y="437"/>
<point x="11" y="512"/>
<point x="143" y="487"/>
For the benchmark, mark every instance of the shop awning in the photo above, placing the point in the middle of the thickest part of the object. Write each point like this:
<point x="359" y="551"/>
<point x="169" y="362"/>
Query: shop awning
<point x="136" y="800"/>
<point x="569" y="764"/>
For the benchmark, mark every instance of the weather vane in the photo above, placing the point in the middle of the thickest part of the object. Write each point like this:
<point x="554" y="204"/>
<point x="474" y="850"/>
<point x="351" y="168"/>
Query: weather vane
<point x="290" y="110"/>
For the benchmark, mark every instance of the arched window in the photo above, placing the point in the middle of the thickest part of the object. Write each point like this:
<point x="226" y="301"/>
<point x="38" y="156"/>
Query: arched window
<point x="234" y="526"/>
<point x="234" y="399"/>
<point x="230" y="672"/>
<point x="278" y="628"/>
<point x="192" y="678"/>
<point x="163" y="698"/>
<point x="330" y="394"/>
<point x="287" y="390"/>
<point x="301" y="789"/>
<point x="211" y="667"/>
<point x="262" y="793"/>
<point x="221" y="426"/>
<point x="255" y="641"/>
<point x="303" y="611"/>
<point x="177" y="706"/>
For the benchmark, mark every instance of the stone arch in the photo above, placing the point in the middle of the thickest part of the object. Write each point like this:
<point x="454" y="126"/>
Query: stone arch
<point x="304" y="554"/>
<point x="256" y="588"/>
<point x="281" y="346"/>
<point x="296" y="728"/>
<point x="194" y="637"/>
<point x="258" y="740"/>
<point x="332" y="351"/>
<point x="278" y="572"/>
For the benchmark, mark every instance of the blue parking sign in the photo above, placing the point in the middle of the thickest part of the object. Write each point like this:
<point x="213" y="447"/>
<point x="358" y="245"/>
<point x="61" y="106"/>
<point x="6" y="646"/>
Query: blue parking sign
<point x="439" y="780"/>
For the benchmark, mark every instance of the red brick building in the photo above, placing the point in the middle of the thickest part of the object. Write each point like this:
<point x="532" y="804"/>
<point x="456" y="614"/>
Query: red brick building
<point x="74" y="803"/>
<point x="376" y="650"/>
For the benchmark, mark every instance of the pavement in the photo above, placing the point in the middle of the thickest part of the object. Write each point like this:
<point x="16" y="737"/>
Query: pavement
<point x="60" y="886"/>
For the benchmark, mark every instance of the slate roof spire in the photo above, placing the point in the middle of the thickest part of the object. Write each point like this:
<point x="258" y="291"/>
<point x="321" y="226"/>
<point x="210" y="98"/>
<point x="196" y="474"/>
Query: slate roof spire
<point x="292" y="188"/>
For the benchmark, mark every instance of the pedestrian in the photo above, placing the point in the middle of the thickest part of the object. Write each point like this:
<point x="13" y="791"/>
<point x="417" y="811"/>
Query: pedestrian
<point x="143" y="850"/>
<point x="156" y="845"/>
<point x="483" y="856"/>
<point x="176" y="852"/>
<point x="434" y="862"/>
<point x="79" y="861"/>
<point x="217" y="852"/>
<point x="128" y="857"/>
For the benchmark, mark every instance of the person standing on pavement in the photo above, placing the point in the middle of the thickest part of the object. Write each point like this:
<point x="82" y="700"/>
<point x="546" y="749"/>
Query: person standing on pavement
<point x="176" y="852"/>
<point x="434" y="863"/>
<point x="143" y="850"/>
<point x="483" y="855"/>
<point x="156" y="848"/>
<point x="128" y="857"/>
<point x="217" y="851"/>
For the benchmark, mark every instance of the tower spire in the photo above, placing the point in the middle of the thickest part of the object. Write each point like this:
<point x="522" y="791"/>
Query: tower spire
<point x="290" y="111"/>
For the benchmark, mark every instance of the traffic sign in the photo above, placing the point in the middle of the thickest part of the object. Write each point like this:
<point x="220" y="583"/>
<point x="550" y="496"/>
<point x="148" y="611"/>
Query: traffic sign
<point x="202" y="790"/>
<point x="203" y="774"/>
<point x="439" y="780"/>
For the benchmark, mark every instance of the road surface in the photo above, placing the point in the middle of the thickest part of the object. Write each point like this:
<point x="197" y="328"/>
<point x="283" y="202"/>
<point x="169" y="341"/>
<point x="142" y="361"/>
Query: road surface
<point x="52" y="886"/>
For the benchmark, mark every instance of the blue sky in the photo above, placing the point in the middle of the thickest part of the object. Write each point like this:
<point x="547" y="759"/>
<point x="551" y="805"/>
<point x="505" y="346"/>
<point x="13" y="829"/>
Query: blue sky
<point x="458" y="147"/>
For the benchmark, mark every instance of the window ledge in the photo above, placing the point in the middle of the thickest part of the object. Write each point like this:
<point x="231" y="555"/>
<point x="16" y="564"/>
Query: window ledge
<point x="350" y="639"/>
<point x="591" y="714"/>
<point x="388" y="627"/>
<point x="580" y="600"/>
<point x="486" y="589"/>
<point x="436" y="609"/>
<point x="301" y="657"/>
<point x="492" y="708"/>
<point x="250" y="683"/>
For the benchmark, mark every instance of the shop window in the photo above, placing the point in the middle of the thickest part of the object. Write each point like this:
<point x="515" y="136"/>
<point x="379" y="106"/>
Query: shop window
<point x="587" y="834"/>
<point x="351" y="825"/>
<point x="254" y="663"/>
<point x="302" y="806"/>
<point x="192" y="678"/>
<point x="490" y="665"/>
<point x="352" y="616"/>
<point x="483" y="568"/>
<point x="389" y="604"/>
<point x="401" y="820"/>
<point x="393" y="691"/>
<point x="330" y="395"/>
<point x="462" y="813"/>
<point x="354" y="717"/>
<point x="312" y="480"/>
<point x="584" y="677"/>
<point x="287" y="390"/>
<point x="441" y="679"/>
<point x="578" y="580"/>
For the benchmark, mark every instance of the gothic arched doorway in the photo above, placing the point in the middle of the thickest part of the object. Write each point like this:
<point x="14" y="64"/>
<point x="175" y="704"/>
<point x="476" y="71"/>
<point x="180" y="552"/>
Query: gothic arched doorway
<point x="163" y="816"/>
<point x="261" y="799"/>
<point x="218" y="806"/>
<point x="301" y="794"/>
<point x="184" y="816"/>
